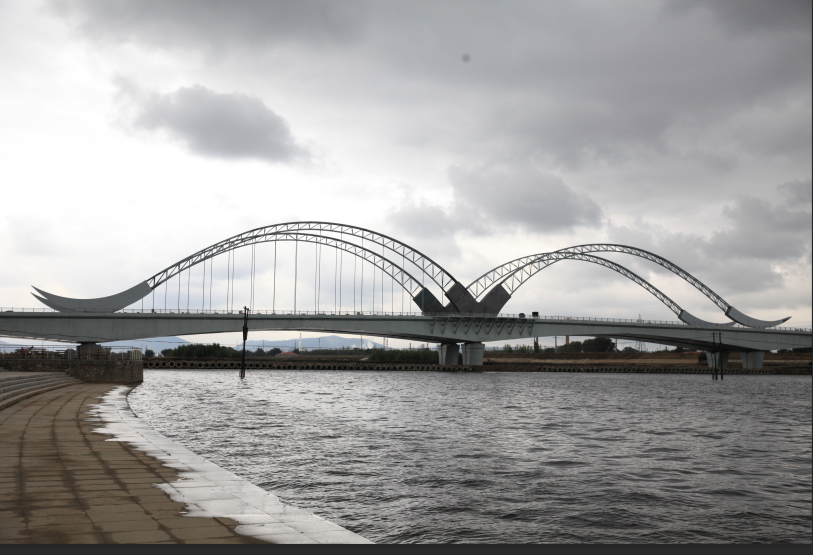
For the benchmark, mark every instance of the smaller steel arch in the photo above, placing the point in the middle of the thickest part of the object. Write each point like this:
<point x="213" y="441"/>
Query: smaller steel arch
<point x="515" y="268"/>
<point x="529" y="270"/>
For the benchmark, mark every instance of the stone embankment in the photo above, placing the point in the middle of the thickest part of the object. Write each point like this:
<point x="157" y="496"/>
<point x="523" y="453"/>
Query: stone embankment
<point x="489" y="366"/>
<point x="74" y="469"/>
<point x="176" y="364"/>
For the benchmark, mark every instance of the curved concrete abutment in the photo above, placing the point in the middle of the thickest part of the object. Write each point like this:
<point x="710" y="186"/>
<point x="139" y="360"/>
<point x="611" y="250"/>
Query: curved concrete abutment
<point x="111" y="303"/>
<point x="208" y="490"/>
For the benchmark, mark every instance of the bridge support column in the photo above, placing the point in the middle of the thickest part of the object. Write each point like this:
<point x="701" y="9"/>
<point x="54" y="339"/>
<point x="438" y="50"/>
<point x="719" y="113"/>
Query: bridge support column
<point x="720" y="358"/>
<point x="752" y="360"/>
<point x="473" y="354"/>
<point x="88" y="350"/>
<point x="449" y="354"/>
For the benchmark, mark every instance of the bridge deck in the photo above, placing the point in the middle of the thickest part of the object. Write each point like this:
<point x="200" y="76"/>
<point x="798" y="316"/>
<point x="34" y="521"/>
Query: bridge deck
<point x="431" y="328"/>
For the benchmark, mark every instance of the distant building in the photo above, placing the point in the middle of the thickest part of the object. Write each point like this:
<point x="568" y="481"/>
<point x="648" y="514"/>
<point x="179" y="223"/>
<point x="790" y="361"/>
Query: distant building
<point x="286" y="355"/>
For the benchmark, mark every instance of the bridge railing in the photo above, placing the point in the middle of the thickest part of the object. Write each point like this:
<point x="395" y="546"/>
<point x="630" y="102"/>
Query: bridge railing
<point x="519" y="316"/>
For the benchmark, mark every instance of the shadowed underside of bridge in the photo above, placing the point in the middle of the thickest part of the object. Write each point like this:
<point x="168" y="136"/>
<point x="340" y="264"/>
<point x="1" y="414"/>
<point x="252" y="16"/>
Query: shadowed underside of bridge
<point x="410" y="269"/>
<point x="441" y="328"/>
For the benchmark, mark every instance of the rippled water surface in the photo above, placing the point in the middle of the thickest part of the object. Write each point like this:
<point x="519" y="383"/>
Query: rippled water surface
<point x="505" y="457"/>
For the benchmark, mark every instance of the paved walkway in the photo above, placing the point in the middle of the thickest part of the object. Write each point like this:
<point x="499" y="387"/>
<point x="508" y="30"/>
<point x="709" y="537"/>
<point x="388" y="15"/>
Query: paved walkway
<point x="62" y="483"/>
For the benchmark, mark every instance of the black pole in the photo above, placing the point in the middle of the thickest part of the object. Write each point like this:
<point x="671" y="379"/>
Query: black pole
<point x="245" y="336"/>
<point x="720" y="336"/>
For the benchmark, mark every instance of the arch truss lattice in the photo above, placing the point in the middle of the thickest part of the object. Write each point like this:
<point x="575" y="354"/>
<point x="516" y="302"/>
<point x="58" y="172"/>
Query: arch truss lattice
<point x="515" y="273"/>
<point x="495" y="287"/>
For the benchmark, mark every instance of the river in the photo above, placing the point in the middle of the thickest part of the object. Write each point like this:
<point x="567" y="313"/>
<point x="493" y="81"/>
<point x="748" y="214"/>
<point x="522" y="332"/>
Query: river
<point x="408" y="457"/>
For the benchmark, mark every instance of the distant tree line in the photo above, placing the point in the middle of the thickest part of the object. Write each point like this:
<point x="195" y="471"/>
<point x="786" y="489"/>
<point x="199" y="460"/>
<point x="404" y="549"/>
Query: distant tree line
<point x="215" y="350"/>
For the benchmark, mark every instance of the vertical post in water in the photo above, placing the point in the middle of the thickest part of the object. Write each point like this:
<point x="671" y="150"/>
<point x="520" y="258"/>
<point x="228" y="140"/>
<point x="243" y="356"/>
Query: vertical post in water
<point x="720" y="337"/>
<point x="245" y="336"/>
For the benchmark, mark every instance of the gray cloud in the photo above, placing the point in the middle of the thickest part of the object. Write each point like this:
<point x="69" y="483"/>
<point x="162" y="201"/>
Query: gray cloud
<point x="759" y="244"/>
<point x="491" y="200"/>
<point x="798" y="193"/>
<point x="560" y="83"/>
<point x="753" y="15"/>
<point x="213" y="124"/>
<point x="213" y="25"/>
<point x="520" y="197"/>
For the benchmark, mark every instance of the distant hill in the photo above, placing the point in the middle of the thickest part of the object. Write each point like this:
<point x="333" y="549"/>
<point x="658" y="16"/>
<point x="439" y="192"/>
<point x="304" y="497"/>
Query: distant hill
<point x="324" y="342"/>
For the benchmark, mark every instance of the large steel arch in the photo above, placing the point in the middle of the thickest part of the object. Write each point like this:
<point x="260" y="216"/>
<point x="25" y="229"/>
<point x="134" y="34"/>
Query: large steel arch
<point x="515" y="271"/>
<point x="412" y="285"/>
<point x="433" y="270"/>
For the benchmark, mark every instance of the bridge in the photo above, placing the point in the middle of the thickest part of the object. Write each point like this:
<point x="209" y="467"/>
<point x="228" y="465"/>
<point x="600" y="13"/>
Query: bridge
<point x="469" y="315"/>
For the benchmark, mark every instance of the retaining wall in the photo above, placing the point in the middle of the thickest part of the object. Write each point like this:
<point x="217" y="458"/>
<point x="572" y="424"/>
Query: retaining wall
<point x="298" y="365"/>
<point x="90" y="371"/>
<point x="231" y="364"/>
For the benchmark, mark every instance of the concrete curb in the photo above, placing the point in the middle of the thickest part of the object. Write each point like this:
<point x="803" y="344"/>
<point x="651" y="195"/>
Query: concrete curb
<point x="211" y="491"/>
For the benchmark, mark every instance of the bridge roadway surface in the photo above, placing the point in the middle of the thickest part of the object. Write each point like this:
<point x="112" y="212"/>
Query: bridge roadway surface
<point x="441" y="328"/>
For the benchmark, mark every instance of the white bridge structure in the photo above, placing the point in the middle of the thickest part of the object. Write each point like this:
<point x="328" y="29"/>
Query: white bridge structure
<point x="469" y="315"/>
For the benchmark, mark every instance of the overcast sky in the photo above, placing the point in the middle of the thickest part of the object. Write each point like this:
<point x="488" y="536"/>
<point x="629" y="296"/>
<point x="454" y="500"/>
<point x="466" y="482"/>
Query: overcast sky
<point x="137" y="132"/>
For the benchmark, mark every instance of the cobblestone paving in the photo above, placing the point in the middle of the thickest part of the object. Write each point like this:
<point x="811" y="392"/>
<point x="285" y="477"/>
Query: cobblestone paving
<point x="62" y="483"/>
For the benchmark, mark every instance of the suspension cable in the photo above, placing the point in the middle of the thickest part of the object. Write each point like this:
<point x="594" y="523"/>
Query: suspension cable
<point x="382" y="281"/>
<point x="228" y="278"/>
<point x="296" y="269"/>
<point x="315" y="273"/>
<point x="355" y="262"/>
<point x="274" y="298"/>
<point x="403" y="263"/>
<point x="319" y="284"/>
<point x="361" y="295"/>
<point x="253" y="266"/>
<point x="188" y="286"/>
<point x="335" y="280"/>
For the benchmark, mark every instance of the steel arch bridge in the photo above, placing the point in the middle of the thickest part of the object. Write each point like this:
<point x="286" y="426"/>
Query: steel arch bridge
<point x="486" y="295"/>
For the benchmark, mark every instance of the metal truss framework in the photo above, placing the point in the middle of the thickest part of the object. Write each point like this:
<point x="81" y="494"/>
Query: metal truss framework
<point x="289" y="230"/>
<point x="514" y="273"/>
<point x="513" y="281"/>
<point x="509" y="276"/>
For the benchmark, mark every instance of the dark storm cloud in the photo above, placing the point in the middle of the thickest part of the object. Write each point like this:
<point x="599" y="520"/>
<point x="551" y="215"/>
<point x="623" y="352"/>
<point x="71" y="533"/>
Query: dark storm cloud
<point x="565" y="83"/>
<point x="213" y="124"/>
